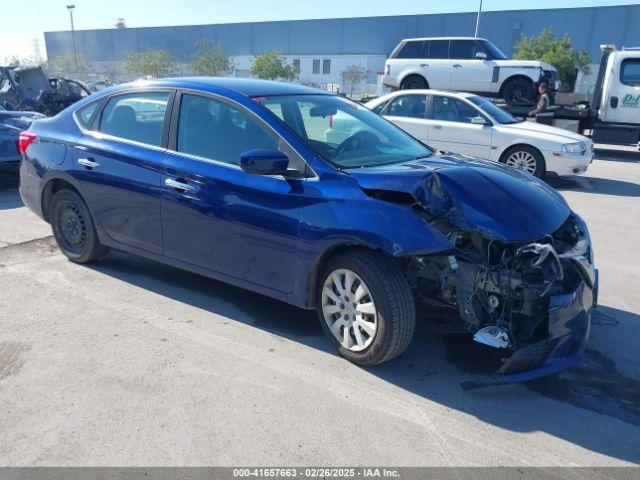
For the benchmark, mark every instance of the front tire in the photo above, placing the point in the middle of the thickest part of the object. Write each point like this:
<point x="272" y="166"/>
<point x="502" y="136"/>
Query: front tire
<point x="365" y="307"/>
<point x="73" y="228"/>
<point x="519" y="91"/>
<point x="524" y="157"/>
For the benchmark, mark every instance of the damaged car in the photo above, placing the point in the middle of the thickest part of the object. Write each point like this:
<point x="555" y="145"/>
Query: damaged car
<point x="234" y="179"/>
<point x="11" y="124"/>
<point x="28" y="88"/>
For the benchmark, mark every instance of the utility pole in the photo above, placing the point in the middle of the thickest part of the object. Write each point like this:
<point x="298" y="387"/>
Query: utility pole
<point x="73" y="36"/>
<point x="478" y="19"/>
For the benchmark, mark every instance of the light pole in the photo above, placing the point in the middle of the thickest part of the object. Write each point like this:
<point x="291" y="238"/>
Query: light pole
<point x="478" y="19"/>
<point x="73" y="37"/>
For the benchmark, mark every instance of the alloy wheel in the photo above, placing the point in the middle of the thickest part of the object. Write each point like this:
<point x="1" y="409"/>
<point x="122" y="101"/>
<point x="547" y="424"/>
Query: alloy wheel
<point x="349" y="310"/>
<point x="522" y="160"/>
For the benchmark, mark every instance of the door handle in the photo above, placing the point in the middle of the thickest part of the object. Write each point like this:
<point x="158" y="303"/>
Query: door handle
<point x="424" y="65"/>
<point x="437" y="127"/>
<point x="184" y="187"/>
<point x="457" y="65"/>
<point x="87" y="162"/>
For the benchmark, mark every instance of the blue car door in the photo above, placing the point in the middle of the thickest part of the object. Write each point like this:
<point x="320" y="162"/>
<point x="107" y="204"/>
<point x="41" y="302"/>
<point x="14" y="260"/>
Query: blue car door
<point x="215" y="215"/>
<point x="118" y="164"/>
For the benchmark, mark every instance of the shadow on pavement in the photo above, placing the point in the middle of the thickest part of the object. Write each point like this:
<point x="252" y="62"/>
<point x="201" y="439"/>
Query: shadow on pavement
<point x="601" y="186"/>
<point x="10" y="198"/>
<point x="611" y="155"/>
<point x="438" y="359"/>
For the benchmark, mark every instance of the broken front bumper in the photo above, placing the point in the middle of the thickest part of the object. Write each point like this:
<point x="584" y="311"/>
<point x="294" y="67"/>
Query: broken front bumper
<point x="569" y="325"/>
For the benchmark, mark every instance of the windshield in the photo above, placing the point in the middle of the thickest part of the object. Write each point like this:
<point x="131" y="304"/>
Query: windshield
<point x="494" y="52"/>
<point x="344" y="133"/>
<point x="493" y="110"/>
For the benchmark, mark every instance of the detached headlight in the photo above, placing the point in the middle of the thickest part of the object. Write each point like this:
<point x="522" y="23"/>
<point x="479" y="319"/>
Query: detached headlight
<point x="579" y="147"/>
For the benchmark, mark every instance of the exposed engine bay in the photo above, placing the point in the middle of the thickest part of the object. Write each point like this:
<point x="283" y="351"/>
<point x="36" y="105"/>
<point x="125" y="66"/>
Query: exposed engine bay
<point x="502" y="290"/>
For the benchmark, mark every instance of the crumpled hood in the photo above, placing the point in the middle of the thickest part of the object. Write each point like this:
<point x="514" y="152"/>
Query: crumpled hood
<point x="476" y="195"/>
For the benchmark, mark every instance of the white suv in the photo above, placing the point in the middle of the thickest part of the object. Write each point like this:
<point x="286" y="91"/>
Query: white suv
<point x="465" y="64"/>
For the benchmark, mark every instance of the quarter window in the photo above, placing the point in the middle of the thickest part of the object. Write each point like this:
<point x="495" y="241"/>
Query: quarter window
<point x="411" y="50"/>
<point x="137" y="116"/>
<point x="630" y="72"/>
<point x="215" y="130"/>
<point x="412" y="106"/>
<point x="85" y="114"/>
<point x="453" y="110"/>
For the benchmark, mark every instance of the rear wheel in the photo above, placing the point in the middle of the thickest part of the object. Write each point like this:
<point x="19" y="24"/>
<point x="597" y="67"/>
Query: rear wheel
<point x="519" y="91"/>
<point x="524" y="157"/>
<point x="365" y="307"/>
<point x="73" y="228"/>
<point x="414" y="82"/>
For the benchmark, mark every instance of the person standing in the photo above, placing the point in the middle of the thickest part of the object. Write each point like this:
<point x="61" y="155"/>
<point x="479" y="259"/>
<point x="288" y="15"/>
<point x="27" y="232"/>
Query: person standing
<point x="544" y="101"/>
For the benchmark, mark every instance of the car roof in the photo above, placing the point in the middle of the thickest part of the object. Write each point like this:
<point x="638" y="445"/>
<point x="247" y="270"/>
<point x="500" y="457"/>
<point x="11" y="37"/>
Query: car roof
<point x="450" y="93"/>
<point x="442" y="38"/>
<point x="244" y="86"/>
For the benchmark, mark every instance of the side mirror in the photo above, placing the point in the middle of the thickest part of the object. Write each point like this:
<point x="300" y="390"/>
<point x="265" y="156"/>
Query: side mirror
<point x="481" y="55"/>
<point x="264" y="161"/>
<point x="479" y="121"/>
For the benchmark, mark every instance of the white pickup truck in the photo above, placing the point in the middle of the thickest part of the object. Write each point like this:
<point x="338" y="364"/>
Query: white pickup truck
<point x="466" y="64"/>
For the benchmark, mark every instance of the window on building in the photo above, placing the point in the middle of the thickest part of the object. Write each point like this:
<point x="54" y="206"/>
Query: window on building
<point x="412" y="49"/>
<point x="326" y="66"/>
<point x="630" y="74"/>
<point x="316" y="66"/>
<point x="136" y="116"/>
<point x="296" y="65"/>
<point x="212" y="129"/>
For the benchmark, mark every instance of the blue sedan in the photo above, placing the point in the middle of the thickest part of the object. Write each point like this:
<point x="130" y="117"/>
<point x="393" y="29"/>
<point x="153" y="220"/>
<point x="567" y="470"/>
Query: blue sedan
<point x="236" y="180"/>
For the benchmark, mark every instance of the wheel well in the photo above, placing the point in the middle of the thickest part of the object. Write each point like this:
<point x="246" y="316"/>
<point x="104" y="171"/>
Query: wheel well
<point x="50" y="189"/>
<point x="512" y="78"/>
<point x="414" y="75"/>
<point x="312" y="279"/>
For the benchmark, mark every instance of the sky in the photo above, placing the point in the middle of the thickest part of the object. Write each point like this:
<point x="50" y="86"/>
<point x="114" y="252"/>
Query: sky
<point x="19" y="36"/>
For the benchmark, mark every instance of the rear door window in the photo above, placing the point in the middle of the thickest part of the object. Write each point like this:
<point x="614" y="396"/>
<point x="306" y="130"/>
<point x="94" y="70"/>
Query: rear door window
<point x="412" y="49"/>
<point x="138" y="117"/>
<point x="410" y="106"/>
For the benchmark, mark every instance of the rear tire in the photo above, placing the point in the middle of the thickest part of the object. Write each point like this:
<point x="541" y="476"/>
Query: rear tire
<point x="524" y="157"/>
<point x="414" y="82"/>
<point x="519" y="91"/>
<point x="73" y="228"/>
<point x="371" y="301"/>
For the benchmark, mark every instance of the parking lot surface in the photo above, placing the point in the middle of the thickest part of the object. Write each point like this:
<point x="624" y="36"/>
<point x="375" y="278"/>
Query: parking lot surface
<point x="129" y="362"/>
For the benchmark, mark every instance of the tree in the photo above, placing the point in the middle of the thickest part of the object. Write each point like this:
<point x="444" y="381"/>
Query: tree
<point x="210" y="59"/>
<point x="557" y="52"/>
<point x="272" y="66"/>
<point x="153" y="62"/>
<point x="68" y="64"/>
<point x="352" y="76"/>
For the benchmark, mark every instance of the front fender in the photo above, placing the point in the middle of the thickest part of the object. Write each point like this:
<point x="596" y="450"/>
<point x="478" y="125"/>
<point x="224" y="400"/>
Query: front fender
<point x="358" y="220"/>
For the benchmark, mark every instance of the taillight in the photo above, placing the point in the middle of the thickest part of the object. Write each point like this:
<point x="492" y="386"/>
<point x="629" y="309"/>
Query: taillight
<point x="330" y="121"/>
<point x="26" y="139"/>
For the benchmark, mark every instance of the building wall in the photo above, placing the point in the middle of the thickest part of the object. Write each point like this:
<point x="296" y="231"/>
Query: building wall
<point x="358" y="38"/>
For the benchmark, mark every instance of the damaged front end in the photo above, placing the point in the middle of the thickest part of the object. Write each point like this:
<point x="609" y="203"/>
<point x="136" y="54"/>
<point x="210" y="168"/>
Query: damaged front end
<point x="533" y="297"/>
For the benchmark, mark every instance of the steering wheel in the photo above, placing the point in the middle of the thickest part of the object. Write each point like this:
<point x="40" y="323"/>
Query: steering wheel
<point x="356" y="141"/>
